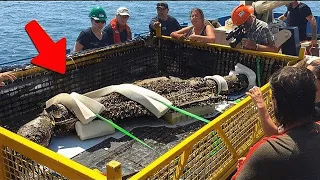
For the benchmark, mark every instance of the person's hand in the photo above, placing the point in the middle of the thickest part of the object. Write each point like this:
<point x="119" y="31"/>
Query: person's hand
<point x="257" y="97"/>
<point x="248" y="44"/>
<point x="240" y="162"/>
<point x="193" y="37"/>
<point x="6" y="76"/>
<point x="156" y="24"/>
<point x="314" y="43"/>
<point x="181" y="36"/>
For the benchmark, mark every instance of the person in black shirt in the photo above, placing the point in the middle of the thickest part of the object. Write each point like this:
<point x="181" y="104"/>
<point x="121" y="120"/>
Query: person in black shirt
<point x="168" y="23"/>
<point x="314" y="67"/>
<point x="294" y="154"/>
<point x="93" y="37"/>
<point x="298" y="14"/>
<point x="118" y="30"/>
<point x="269" y="127"/>
<point x="199" y="31"/>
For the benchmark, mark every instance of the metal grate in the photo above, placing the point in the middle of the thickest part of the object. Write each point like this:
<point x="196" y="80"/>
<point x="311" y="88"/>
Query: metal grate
<point x="17" y="166"/>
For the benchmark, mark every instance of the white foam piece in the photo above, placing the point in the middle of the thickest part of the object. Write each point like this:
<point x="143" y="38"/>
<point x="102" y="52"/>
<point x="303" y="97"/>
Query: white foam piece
<point x="96" y="128"/>
<point x="81" y="111"/>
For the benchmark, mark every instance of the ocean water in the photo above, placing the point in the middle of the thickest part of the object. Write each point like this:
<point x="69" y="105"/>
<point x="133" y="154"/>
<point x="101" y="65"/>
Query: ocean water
<point x="69" y="18"/>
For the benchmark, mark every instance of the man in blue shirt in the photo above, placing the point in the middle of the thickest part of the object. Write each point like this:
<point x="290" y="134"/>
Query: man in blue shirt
<point x="168" y="23"/>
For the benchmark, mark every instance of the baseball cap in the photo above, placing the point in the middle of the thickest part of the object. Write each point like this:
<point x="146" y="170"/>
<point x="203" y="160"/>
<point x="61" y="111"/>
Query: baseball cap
<point x="162" y="5"/>
<point x="122" y="11"/>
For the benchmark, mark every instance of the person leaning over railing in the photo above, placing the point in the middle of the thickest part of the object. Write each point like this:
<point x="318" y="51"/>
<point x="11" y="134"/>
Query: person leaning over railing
<point x="93" y="37"/>
<point x="118" y="30"/>
<point x="268" y="126"/>
<point x="294" y="154"/>
<point x="6" y="76"/>
<point x="167" y="23"/>
<point x="199" y="31"/>
<point x="260" y="37"/>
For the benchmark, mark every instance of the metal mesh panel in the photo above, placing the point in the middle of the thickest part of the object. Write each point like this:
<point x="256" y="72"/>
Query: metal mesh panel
<point x="167" y="172"/>
<point x="208" y="156"/>
<point x="187" y="60"/>
<point x="17" y="166"/>
<point x="93" y="70"/>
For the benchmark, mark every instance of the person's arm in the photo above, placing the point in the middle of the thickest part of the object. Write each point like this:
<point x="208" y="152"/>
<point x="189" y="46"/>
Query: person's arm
<point x="152" y="23"/>
<point x="180" y="33"/>
<point x="271" y="47"/>
<point x="129" y="33"/>
<point x="313" y="24"/>
<point x="268" y="37"/>
<point x="6" y="76"/>
<point x="282" y="17"/>
<point x="268" y="126"/>
<point x="77" y="47"/>
<point x="209" y="38"/>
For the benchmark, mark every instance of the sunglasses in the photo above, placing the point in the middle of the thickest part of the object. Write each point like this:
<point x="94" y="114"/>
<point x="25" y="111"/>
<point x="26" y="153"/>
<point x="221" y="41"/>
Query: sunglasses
<point x="100" y="21"/>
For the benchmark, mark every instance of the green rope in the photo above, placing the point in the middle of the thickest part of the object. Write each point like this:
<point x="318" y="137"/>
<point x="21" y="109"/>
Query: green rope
<point x="125" y="132"/>
<point x="217" y="142"/>
<point x="183" y="111"/>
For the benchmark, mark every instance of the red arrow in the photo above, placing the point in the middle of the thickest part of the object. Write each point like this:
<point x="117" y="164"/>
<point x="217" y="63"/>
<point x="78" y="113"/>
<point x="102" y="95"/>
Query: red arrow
<point x="52" y="56"/>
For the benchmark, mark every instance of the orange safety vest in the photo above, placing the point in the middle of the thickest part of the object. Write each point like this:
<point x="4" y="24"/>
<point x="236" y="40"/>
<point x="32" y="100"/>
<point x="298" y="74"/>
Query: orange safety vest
<point x="117" y="28"/>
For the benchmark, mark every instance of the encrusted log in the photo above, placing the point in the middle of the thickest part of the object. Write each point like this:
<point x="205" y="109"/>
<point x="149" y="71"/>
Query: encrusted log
<point x="63" y="118"/>
<point x="182" y="93"/>
<point x="236" y="83"/>
<point x="38" y="130"/>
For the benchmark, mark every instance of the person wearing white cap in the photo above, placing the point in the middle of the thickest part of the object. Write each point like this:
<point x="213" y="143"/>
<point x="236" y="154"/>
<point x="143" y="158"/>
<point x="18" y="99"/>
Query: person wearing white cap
<point x="118" y="30"/>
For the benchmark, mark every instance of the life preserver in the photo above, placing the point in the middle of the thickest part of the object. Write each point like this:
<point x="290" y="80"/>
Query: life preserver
<point x="116" y="28"/>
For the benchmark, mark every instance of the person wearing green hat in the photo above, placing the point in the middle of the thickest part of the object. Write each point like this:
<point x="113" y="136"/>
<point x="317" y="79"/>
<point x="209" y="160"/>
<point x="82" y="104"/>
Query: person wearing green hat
<point x="93" y="37"/>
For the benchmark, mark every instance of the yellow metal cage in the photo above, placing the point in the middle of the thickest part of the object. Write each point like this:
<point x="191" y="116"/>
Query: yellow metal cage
<point x="209" y="153"/>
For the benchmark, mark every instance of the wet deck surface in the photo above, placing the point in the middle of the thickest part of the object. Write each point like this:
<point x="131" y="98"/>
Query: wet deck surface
<point x="132" y="155"/>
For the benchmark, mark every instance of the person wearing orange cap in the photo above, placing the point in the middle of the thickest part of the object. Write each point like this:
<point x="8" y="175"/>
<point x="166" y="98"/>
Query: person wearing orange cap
<point x="259" y="36"/>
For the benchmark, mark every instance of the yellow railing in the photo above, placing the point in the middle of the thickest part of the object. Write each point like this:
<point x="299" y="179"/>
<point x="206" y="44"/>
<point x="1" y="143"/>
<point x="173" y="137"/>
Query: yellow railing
<point x="212" y="152"/>
<point x="21" y="158"/>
